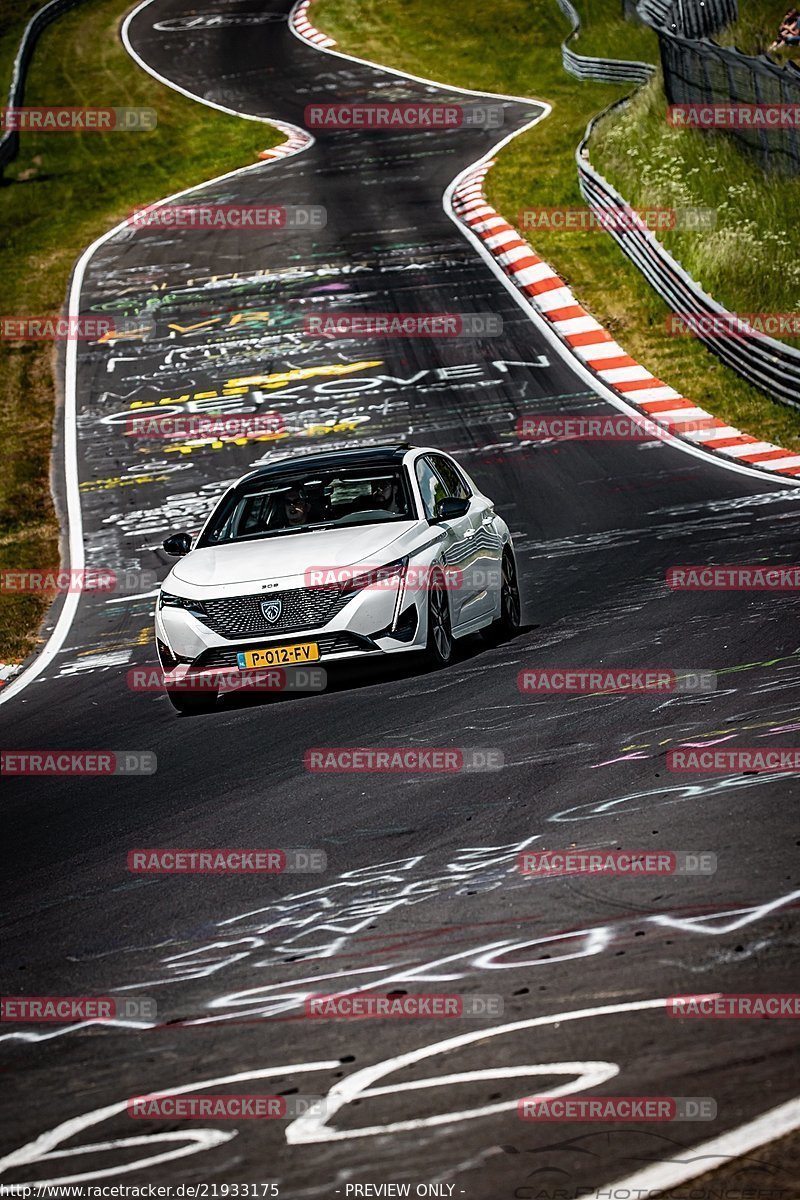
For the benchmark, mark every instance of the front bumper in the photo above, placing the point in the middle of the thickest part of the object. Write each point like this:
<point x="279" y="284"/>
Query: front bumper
<point x="370" y="624"/>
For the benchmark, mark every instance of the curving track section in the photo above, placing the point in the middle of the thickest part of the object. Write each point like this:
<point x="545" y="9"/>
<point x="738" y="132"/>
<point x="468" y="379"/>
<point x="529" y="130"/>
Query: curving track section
<point x="421" y="893"/>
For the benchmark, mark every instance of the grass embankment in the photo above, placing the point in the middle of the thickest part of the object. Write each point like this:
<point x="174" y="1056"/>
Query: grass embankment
<point x="63" y="191"/>
<point x="513" y="46"/>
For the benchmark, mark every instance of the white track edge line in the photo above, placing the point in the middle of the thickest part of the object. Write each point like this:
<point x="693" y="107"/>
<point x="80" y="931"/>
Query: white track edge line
<point x="776" y="1123"/>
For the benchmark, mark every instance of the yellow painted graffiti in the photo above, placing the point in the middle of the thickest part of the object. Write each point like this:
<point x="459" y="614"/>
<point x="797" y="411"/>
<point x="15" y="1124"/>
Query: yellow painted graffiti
<point x="115" y="481"/>
<point x="219" y="443"/>
<point x="236" y="319"/>
<point x="279" y="379"/>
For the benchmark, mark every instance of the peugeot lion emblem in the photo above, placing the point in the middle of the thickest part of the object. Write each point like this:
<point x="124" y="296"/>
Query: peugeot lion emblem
<point x="272" y="610"/>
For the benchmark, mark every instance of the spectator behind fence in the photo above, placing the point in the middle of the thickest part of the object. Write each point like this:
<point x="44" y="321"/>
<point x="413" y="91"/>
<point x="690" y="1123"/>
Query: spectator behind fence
<point x="789" y="33"/>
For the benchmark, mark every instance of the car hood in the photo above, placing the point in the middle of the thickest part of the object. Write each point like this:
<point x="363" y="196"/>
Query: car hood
<point x="284" y="557"/>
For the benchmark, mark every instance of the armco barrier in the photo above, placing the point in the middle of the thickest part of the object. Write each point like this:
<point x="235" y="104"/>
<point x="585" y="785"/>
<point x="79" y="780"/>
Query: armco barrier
<point x="603" y="70"/>
<point x="9" y="142"/>
<point x="764" y="362"/>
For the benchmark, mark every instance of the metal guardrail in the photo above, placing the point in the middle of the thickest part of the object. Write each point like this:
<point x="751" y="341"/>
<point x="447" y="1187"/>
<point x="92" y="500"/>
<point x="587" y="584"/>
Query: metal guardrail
<point x="9" y="142"/>
<point x="602" y="70"/>
<point x="762" y="361"/>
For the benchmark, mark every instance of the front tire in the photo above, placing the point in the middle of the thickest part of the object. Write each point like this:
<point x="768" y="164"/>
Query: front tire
<point x="439" y="650"/>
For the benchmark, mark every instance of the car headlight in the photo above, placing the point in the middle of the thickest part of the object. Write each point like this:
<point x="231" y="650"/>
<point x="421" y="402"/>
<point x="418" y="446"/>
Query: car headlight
<point x="388" y="577"/>
<point x="167" y="600"/>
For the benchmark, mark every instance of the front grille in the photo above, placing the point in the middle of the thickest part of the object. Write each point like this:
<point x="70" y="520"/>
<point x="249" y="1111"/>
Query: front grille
<point x="329" y="643"/>
<point x="301" y="608"/>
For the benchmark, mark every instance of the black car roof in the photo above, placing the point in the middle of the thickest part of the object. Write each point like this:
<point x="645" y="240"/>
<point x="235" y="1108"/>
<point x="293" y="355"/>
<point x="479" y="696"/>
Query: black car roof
<point x="364" y="456"/>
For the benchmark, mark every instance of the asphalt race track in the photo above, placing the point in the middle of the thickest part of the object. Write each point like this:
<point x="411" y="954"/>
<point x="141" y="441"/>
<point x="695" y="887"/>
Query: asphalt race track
<point x="422" y="891"/>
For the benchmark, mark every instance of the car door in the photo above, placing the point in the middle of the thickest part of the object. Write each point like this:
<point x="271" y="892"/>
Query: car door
<point x="456" y="547"/>
<point x="485" y="544"/>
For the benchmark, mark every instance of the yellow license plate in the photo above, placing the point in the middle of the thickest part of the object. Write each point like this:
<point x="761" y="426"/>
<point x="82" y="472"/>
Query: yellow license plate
<point x="279" y="656"/>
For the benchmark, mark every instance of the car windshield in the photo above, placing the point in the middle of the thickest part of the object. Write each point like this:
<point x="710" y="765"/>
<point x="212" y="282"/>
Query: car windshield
<point x="310" y="500"/>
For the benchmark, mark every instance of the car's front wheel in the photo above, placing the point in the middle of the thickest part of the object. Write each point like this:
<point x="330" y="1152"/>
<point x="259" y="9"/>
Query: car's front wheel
<point x="193" y="702"/>
<point x="439" y="650"/>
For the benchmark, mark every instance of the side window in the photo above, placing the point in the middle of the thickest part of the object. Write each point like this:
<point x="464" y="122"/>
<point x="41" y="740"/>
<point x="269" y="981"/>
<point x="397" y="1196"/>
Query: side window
<point x="430" y="485"/>
<point x="450" y="476"/>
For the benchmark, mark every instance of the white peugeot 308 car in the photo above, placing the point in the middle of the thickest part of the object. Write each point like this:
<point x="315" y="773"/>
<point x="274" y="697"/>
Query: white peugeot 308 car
<point x="335" y="556"/>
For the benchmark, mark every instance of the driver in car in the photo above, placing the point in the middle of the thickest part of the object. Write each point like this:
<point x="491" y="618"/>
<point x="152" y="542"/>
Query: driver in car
<point x="297" y="506"/>
<point x="386" y="495"/>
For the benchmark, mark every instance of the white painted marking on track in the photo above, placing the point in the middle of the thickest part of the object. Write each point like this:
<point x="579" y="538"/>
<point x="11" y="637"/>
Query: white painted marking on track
<point x="313" y="1127"/>
<point x="654" y="1180"/>
<point x="44" y="1148"/>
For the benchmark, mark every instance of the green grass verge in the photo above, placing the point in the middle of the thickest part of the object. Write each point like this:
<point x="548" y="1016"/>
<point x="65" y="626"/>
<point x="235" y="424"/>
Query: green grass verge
<point x="63" y="191"/>
<point x="603" y="25"/>
<point x="513" y="46"/>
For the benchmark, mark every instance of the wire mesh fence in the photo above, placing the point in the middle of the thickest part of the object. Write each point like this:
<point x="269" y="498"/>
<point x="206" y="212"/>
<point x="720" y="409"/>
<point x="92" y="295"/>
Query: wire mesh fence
<point x="692" y="18"/>
<point x="699" y="72"/>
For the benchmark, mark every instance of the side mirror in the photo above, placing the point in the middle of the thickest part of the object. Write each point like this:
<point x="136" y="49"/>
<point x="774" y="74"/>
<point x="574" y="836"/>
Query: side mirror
<point x="178" y="544"/>
<point x="449" y="509"/>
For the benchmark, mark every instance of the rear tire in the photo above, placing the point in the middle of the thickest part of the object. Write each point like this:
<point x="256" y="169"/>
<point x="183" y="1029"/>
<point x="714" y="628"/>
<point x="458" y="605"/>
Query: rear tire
<point x="507" y="624"/>
<point x="439" y="650"/>
<point x="193" y="702"/>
